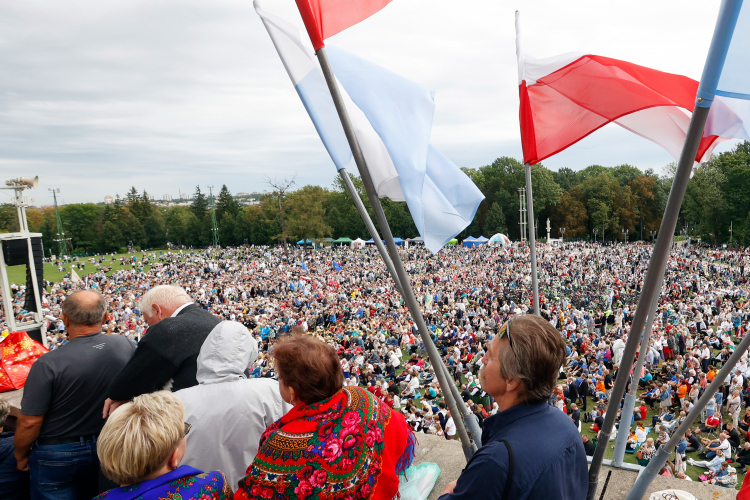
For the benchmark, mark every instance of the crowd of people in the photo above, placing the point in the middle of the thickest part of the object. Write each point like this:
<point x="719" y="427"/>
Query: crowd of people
<point x="249" y="301"/>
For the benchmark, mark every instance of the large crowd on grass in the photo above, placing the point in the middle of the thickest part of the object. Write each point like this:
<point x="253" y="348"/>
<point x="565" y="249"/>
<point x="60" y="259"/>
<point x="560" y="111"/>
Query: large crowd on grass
<point x="589" y="292"/>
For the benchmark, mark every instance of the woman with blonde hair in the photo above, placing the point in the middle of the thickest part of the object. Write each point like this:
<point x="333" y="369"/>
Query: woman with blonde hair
<point x="140" y="448"/>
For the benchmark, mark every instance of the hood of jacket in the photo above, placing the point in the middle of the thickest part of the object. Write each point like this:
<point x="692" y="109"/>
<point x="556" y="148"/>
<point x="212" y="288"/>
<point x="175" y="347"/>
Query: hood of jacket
<point x="226" y="353"/>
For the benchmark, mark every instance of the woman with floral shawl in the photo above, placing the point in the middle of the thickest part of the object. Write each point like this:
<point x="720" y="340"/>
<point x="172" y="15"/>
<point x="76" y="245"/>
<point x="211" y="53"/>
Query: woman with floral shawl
<point x="336" y="443"/>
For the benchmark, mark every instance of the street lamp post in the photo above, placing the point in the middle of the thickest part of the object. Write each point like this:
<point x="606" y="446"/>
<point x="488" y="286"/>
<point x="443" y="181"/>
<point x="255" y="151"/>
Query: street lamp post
<point x="626" y="232"/>
<point x="596" y="232"/>
<point x="731" y="224"/>
<point x="562" y="234"/>
<point x="653" y="235"/>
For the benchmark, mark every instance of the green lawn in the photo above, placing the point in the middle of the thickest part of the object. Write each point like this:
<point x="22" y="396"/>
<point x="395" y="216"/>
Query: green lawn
<point x="17" y="274"/>
<point x="693" y="472"/>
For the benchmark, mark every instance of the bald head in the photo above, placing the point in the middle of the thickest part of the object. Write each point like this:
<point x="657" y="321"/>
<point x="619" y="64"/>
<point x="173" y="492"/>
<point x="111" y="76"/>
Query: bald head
<point x="84" y="308"/>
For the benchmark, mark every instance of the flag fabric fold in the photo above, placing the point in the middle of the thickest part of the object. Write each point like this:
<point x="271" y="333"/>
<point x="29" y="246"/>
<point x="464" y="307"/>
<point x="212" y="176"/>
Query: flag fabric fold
<point x="392" y="119"/>
<point x="567" y="97"/>
<point x="325" y="18"/>
<point x="730" y="111"/>
<point x="734" y="81"/>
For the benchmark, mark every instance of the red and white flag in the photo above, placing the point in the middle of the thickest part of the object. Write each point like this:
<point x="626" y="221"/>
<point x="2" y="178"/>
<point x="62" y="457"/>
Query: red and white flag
<point x="567" y="97"/>
<point x="325" y="18"/>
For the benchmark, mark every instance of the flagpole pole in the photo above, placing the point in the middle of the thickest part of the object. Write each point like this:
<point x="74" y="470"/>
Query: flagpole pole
<point x="657" y="266"/>
<point x="408" y="296"/>
<point x="370" y="227"/>
<point x="656" y="463"/>
<point x="532" y="240"/>
<point x="717" y="53"/>
<point x="629" y="404"/>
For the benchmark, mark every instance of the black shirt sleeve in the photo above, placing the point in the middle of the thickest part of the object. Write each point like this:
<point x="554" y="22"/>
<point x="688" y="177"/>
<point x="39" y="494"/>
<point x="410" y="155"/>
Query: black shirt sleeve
<point x="147" y="371"/>
<point x="37" y="394"/>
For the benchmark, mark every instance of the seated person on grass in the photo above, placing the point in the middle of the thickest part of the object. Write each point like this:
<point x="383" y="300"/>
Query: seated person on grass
<point x="711" y="424"/>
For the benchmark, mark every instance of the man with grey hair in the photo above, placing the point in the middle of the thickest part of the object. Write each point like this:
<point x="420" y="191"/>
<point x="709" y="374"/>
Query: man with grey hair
<point x="60" y="420"/>
<point x="167" y="355"/>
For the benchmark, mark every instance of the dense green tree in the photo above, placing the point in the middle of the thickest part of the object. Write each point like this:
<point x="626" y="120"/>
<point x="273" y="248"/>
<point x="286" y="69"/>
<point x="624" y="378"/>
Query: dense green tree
<point x="306" y="215"/>
<point x="495" y="222"/>
<point x="8" y="218"/>
<point x="226" y="203"/>
<point x="79" y="222"/>
<point x="617" y="197"/>
<point x="200" y="204"/>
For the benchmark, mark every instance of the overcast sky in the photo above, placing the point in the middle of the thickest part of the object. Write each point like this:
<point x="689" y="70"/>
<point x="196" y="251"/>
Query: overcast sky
<point x="166" y="94"/>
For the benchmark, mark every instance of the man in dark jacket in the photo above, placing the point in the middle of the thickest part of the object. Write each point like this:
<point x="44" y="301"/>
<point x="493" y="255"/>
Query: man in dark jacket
<point x="583" y="393"/>
<point x="529" y="449"/>
<point x="167" y="356"/>
<point x="588" y="445"/>
<point x="572" y="393"/>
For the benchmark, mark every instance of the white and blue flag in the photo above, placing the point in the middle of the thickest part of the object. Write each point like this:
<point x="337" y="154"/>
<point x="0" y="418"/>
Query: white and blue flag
<point x="392" y="118"/>
<point x="725" y="84"/>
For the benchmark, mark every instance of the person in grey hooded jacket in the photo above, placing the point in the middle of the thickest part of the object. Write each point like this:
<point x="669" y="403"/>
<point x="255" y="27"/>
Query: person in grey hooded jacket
<point x="228" y="412"/>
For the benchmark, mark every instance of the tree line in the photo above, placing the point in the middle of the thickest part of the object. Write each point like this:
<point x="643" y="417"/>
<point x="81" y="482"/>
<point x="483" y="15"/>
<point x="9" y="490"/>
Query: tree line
<point x="595" y="201"/>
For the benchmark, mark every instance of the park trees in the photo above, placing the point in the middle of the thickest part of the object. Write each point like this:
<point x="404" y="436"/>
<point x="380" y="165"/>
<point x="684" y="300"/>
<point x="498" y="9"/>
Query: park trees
<point x="307" y="214"/>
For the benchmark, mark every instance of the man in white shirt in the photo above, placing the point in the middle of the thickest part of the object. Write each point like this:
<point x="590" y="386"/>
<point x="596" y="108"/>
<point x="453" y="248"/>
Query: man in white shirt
<point x="450" y="428"/>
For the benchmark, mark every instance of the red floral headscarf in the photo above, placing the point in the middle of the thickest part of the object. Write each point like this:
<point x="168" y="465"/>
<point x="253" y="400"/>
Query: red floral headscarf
<point x="349" y="447"/>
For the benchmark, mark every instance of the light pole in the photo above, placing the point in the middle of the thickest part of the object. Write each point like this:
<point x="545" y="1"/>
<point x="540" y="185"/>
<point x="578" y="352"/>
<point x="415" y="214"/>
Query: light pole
<point x="562" y="234"/>
<point x="653" y="235"/>
<point x="731" y="224"/>
<point x="626" y="232"/>
<point x="596" y="232"/>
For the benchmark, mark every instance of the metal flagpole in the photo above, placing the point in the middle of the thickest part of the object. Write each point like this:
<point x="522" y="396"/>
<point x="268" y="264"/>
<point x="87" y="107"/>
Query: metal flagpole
<point x="717" y="54"/>
<point x="654" y="276"/>
<point x="629" y="403"/>
<point x="409" y="297"/>
<point x="657" y="462"/>
<point x="532" y="240"/>
<point x="470" y="420"/>
<point x="370" y="227"/>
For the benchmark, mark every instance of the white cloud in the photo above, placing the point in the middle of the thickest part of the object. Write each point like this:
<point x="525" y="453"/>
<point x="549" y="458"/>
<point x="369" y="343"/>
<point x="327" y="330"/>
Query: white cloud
<point x="98" y="96"/>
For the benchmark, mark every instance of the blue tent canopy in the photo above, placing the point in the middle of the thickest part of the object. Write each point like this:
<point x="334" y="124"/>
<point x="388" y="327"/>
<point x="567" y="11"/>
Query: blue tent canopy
<point x="397" y="241"/>
<point x="302" y="242"/>
<point x="471" y="242"/>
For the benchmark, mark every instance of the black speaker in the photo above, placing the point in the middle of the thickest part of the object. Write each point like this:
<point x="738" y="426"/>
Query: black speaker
<point x="36" y="334"/>
<point x="16" y="253"/>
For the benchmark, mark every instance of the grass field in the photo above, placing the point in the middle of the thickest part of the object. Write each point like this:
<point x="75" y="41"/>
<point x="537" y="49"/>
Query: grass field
<point x="17" y="274"/>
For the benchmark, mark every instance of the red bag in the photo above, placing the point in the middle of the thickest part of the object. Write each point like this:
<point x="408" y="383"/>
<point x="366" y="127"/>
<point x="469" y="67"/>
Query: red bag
<point x="19" y="351"/>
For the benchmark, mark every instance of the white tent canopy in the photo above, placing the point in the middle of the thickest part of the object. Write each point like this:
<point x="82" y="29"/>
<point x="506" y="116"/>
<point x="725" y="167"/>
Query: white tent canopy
<point x="358" y="243"/>
<point x="499" y="239"/>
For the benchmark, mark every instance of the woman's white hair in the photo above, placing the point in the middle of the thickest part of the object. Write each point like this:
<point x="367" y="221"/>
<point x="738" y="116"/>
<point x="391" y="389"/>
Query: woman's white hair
<point x="166" y="296"/>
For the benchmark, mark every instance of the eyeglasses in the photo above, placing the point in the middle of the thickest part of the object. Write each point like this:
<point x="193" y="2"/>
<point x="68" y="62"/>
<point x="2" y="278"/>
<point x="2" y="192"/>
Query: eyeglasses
<point x="188" y="426"/>
<point x="506" y="331"/>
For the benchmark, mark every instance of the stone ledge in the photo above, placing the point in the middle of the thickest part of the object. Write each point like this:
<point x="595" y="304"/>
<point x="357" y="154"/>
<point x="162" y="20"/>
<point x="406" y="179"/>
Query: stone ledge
<point x="450" y="458"/>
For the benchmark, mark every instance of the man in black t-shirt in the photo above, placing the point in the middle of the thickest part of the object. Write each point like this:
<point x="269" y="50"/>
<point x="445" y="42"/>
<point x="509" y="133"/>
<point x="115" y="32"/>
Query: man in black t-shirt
<point x="61" y="408"/>
<point x="588" y="445"/>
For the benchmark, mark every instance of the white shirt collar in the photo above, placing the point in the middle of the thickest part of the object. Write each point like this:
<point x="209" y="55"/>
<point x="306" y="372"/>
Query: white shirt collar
<point x="177" y="311"/>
